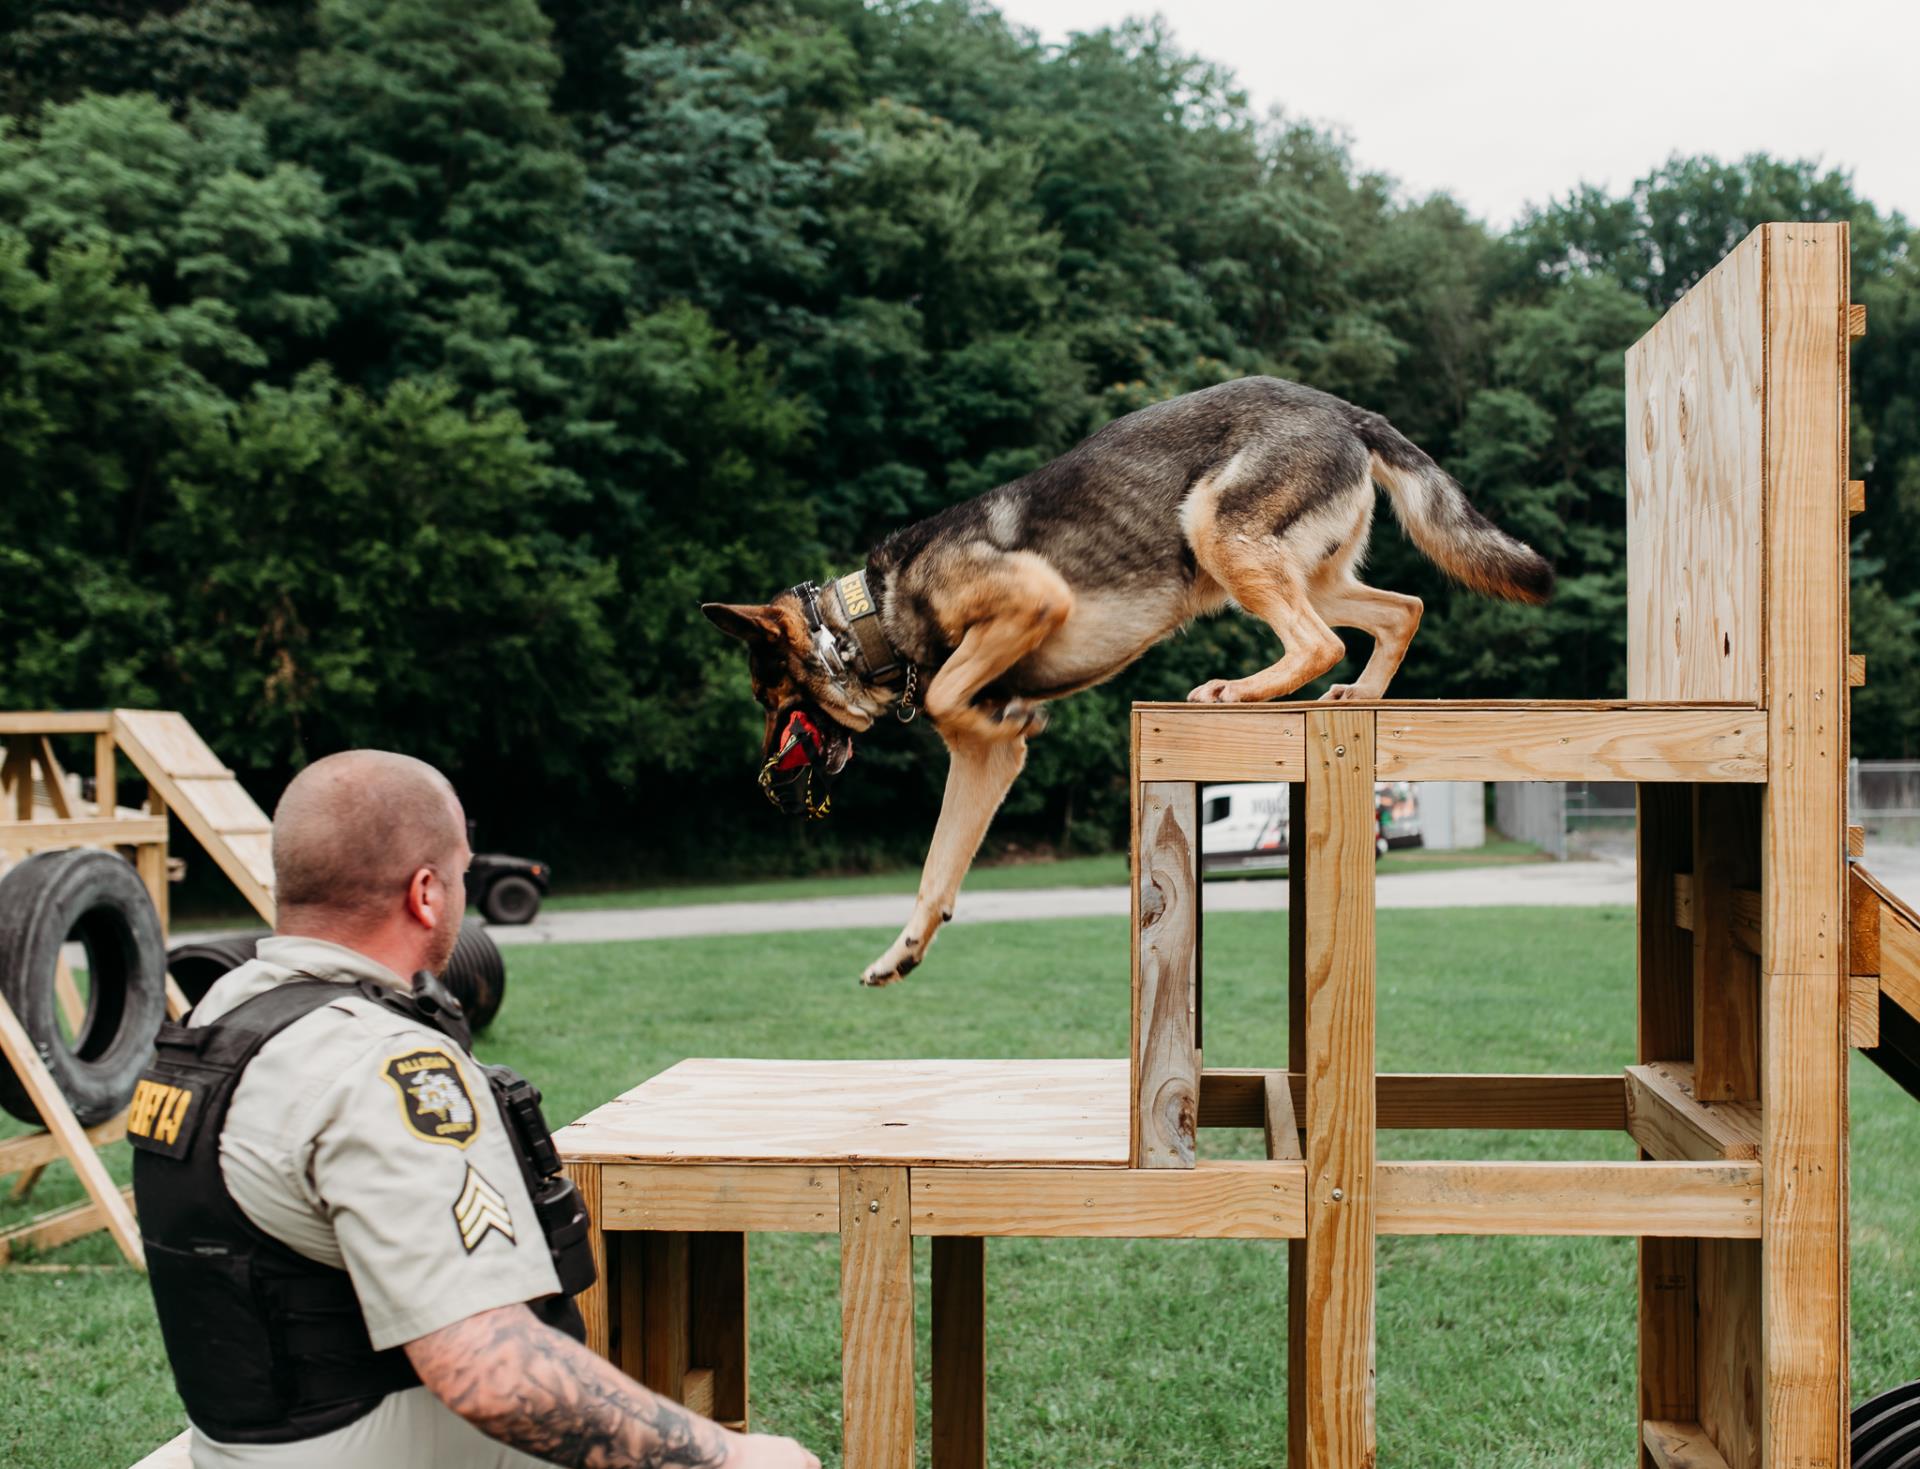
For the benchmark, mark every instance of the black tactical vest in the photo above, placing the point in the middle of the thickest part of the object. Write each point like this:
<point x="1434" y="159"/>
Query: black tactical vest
<point x="266" y="1345"/>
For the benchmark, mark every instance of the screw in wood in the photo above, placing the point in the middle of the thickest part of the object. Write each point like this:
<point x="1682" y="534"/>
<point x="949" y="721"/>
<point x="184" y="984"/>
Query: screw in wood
<point x="873" y="1206"/>
<point x="1338" y="1195"/>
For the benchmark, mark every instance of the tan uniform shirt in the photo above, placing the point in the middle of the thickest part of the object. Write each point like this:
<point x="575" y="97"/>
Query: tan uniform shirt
<point x="363" y="1139"/>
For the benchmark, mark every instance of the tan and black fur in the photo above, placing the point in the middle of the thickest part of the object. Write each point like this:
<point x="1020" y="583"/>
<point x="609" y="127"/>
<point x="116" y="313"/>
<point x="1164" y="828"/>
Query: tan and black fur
<point x="1258" y="492"/>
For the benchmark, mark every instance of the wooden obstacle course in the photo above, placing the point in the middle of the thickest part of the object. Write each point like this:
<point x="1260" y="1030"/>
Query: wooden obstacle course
<point x="39" y="811"/>
<point x="1752" y="953"/>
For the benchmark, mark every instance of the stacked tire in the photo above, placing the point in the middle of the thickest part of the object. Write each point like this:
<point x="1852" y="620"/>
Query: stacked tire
<point x="96" y="899"/>
<point x="476" y="974"/>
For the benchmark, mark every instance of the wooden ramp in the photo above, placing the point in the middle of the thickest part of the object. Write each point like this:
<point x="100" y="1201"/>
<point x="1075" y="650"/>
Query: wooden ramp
<point x="183" y="771"/>
<point x="1886" y="978"/>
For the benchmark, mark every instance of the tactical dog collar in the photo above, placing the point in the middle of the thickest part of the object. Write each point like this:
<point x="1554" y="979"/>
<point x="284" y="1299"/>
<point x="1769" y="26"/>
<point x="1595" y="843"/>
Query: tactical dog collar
<point x="871" y="656"/>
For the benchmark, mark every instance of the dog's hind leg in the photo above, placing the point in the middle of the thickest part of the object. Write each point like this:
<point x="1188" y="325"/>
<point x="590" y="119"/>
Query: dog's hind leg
<point x="977" y="781"/>
<point x="1267" y="580"/>
<point x="1390" y="618"/>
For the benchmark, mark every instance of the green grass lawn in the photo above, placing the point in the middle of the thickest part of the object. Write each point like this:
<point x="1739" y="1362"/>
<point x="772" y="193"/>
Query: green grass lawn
<point x="1109" y="870"/>
<point x="1493" y="1352"/>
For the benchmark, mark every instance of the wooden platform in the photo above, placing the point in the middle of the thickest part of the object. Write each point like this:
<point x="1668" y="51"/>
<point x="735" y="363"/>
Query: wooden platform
<point x="923" y="1114"/>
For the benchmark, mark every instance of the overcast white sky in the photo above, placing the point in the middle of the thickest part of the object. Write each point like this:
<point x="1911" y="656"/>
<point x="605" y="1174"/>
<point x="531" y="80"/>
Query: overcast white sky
<point x="1505" y="103"/>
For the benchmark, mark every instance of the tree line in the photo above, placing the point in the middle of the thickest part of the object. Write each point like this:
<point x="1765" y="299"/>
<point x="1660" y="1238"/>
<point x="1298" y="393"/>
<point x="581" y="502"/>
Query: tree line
<point x="403" y="373"/>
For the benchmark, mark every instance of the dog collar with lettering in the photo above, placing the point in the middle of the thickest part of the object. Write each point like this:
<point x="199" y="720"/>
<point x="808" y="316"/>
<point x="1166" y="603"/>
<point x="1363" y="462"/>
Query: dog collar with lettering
<point x="873" y="656"/>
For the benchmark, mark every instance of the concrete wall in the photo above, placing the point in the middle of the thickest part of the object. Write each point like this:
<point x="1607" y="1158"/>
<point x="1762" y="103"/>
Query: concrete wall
<point x="1453" y="813"/>
<point x="1533" y="811"/>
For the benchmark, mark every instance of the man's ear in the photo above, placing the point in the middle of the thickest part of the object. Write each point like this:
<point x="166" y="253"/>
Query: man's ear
<point x="748" y="624"/>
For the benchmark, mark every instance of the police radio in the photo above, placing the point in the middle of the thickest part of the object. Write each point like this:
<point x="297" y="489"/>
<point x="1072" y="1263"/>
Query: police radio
<point x="556" y="1202"/>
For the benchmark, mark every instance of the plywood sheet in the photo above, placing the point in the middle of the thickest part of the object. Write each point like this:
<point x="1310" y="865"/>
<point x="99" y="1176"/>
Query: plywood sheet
<point x="1694" y="492"/>
<point x="924" y="1113"/>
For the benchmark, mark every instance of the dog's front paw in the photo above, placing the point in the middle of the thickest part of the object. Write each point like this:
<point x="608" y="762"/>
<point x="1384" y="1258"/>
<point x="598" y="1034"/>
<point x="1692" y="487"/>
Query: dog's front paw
<point x="1213" y="691"/>
<point x="1021" y="717"/>
<point x="897" y="963"/>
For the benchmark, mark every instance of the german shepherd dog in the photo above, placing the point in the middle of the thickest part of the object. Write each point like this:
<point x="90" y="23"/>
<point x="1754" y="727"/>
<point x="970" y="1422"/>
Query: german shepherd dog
<point x="1258" y="492"/>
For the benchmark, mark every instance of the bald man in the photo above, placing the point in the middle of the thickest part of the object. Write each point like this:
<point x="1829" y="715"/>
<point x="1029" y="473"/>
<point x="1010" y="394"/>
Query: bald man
<point x="344" y="1254"/>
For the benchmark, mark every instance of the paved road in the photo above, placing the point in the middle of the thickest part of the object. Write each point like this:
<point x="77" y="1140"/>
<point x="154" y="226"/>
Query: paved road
<point x="1597" y="883"/>
<point x="1548" y="885"/>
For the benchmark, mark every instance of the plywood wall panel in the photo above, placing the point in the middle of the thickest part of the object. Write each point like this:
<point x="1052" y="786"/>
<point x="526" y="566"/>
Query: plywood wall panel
<point x="1695" y="531"/>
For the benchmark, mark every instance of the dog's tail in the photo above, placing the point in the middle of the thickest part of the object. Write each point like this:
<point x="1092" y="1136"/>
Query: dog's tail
<point x="1455" y="537"/>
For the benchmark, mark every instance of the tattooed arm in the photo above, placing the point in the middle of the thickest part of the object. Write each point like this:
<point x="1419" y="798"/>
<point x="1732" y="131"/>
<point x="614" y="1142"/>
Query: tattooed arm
<point x="540" y="1391"/>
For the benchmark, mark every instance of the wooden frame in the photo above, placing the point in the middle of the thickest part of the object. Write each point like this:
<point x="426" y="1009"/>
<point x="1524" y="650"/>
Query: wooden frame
<point x="40" y="812"/>
<point x="1748" y="984"/>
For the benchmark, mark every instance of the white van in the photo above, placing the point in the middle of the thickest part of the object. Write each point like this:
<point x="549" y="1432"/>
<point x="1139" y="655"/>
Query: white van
<point x="1244" y="826"/>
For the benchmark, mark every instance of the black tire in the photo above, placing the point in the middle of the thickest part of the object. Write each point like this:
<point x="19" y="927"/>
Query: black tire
<point x="1886" y="1430"/>
<point x="476" y="975"/>
<point x="476" y="972"/>
<point x="511" y="899"/>
<point x="97" y="899"/>
<point x="197" y="967"/>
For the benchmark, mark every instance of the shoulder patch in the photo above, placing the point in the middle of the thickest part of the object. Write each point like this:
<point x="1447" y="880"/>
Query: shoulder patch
<point x="434" y="1101"/>
<point x="480" y="1210"/>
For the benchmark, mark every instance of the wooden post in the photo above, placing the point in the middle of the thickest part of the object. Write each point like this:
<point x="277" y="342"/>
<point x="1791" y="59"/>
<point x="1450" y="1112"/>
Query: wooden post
<point x="959" y="1352"/>
<point x="151" y="862"/>
<point x="876" y="1319"/>
<point x="1167" y="1062"/>
<point x="1803" y="1076"/>
<point x="1337" y="1381"/>
<point x="718" y="1265"/>
<point x="1297" y="1065"/>
<point x="109" y="1204"/>
<point x="595" y="1302"/>
<point x="666" y="1315"/>
<point x="1726" y="978"/>
<point x="106" y="777"/>
<point x="1663" y="833"/>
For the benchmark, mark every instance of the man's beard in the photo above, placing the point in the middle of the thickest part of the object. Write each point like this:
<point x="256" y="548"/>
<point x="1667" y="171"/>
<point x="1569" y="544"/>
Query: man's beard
<point x="444" y="938"/>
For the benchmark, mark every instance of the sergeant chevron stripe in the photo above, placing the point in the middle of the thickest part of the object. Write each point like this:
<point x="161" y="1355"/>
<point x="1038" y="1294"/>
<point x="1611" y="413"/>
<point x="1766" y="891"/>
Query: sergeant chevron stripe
<point x="480" y="1208"/>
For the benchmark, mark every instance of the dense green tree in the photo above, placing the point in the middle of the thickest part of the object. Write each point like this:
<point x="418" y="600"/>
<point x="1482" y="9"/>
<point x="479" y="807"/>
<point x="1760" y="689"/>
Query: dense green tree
<point x="398" y="372"/>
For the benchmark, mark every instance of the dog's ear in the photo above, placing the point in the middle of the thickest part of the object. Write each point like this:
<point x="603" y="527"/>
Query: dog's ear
<point x="748" y="624"/>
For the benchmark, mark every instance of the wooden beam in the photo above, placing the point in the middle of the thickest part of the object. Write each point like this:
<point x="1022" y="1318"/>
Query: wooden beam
<point x="93" y="721"/>
<point x="876" y="1318"/>
<point x="1856" y="496"/>
<point x="54" y="778"/>
<point x="1856" y="841"/>
<point x="106" y="775"/>
<point x="1863" y="924"/>
<point x="1680" y="1445"/>
<point x="37" y="1149"/>
<point x="1802" y="1380"/>
<point x="1683" y="900"/>
<point x="131" y="731"/>
<point x="62" y="1226"/>
<point x="1856" y="322"/>
<point x="1236" y="1097"/>
<point x="959" y="1344"/>
<point x="696" y="1391"/>
<point x="1863" y="1003"/>
<point x="758" y="1199"/>
<point x="1339" y="828"/>
<point x="1166" y="1057"/>
<point x="1671" y="1123"/>
<point x="1704" y="743"/>
<point x="596" y="1302"/>
<point x="35" y="836"/>
<point x="1212" y="1200"/>
<point x="1900" y="961"/>
<point x="1726" y="985"/>
<point x="1202" y="742"/>
<point x="666" y="1313"/>
<point x="1282" y="1130"/>
<point x="717" y="1326"/>
<point x="20" y="1053"/>
<point x="1856" y="670"/>
<point x="1692" y="1200"/>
